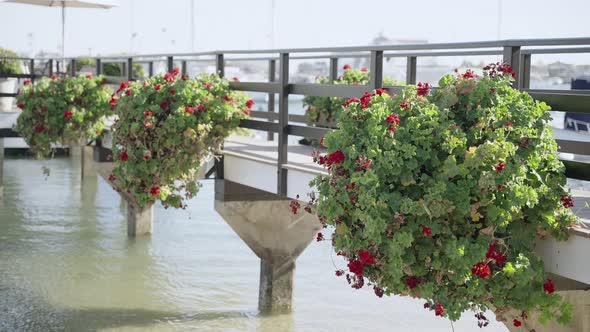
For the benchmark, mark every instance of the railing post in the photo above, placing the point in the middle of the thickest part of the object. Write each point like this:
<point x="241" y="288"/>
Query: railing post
<point x="32" y="69"/>
<point x="123" y="69"/>
<point x="376" y="80"/>
<point x="98" y="67"/>
<point x="220" y="64"/>
<point x="511" y="56"/>
<point x="170" y="65"/>
<point x="150" y="69"/>
<point x="272" y="64"/>
<point x="57" y="66"/>
<point x="411" y="70"/>
<point x="525" y="72"/>
<point x="50" y="63"/>
<point x="283" y="123"/>
<point x="333" y="70"/>
<point x="183" y="68"/>
<point x="130" y="69"/>
<point x="72" y="67"/>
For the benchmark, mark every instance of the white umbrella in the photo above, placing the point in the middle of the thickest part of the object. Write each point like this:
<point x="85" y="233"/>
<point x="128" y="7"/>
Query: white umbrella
<point x="105" y="4"/>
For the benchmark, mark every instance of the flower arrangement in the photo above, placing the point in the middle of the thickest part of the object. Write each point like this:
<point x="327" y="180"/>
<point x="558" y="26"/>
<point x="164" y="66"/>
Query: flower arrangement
<point x="441" y="195"/>
<point x="324" y="111"/>
<point x="167" y="124"/>
<point x="61" y="110"/>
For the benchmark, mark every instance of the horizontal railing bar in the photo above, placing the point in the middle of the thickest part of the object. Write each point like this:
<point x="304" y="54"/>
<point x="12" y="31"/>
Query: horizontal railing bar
<point x="256" y="86"/>
<point x="556" y="50"/>
<point x="4" y="94"/>
<point x="8" y="132"/>
<point x="577" y="170"/>
<point x="306" y="131"/>
<point x="2" y="75"/>
<point x="560" y="92"/>
<point x="575" y="147"/>
<point x="275" y="116"/>
<point x="570" y="102"/>
<point x="114" y="79"/>
<point x="260" y="125"/>
<point x="329" y="90"/>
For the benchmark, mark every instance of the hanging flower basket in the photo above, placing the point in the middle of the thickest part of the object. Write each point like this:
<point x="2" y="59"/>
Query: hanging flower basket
<point x="167" y="125"/>
<point x="442" y="194"/>
<point x="61" y="110"/>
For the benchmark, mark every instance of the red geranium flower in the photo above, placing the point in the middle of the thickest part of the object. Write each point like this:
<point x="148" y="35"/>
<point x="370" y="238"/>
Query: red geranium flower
<point x="27" y="82"/>
<point x="155" y="190"/>
<point x="39" y="129"/>
<point x="124" y="155"/>
<point x="350" y="101"/>
<point x="365" y="100"/>
<point x="567" y="201"/>
<point x="172" y="92"/>
<point x="548" y="286"/>
<point x="250" y="103"/>
<point x="111" y="178"/>
<point x="339" y="273"/>
<point x="393" y="119"/>
<point x="124" y="85"/>
<point x="356" y="267"/>
<point x="516" y="322"/>
<point x="366" y="257"/>
<point x="495" y="255"/>
<point x="319" y="237"/>
<point x="439" y="311"/>
<point x="426" y="231"/>
<point x="189" y="109"/>
<point x="208" y="85"/>
<point x="201" y="108"/>
<point x="509" y="124"/>
<point x="164" y="104"/>
<point x="481" y="269"/>
<point x="157" y="87"/>
<point x="422" y="88"/>
<point x="227" y="98"/>
<point x="335" y="157"/>
<point x="412" y="282"/>
<point x="88" y="76"/>
<point x="500" y="167"/>
<point x="21" y="105"/>
<point x="346" y="67"/>
<point x="236" y="79"/>
<point x="53" y="77"/>
<point x="469" y="74"/>
<point x="381" y="91"/>
<point x="128" y="92"/>
<point x="364" y="70"/>
<point x="148" y="124"/>
<point x="68" y="114"/>
<point x="147" y="113"/>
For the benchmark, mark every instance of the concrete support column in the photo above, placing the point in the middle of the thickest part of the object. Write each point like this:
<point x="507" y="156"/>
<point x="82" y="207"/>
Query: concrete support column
<point x="277" y="236"/>
<point x="140" y="220"/>
<point x="276" y="285"/>
<point x="87" y="161"/>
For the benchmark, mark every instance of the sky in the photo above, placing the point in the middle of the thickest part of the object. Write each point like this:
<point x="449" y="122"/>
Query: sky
<point x="164" y="26"/>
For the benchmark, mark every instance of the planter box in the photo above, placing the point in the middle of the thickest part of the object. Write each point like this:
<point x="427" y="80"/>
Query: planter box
<point x="7" y="85"/>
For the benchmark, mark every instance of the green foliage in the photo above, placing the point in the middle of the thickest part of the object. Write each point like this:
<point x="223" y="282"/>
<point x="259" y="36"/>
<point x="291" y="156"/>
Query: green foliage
<point x="432" y="184"/>
<point x="62" y="110"/>
<point x="80" y="63"/>
<point x="9" y="66"/>
<point x="114" y="69"/>
<point x="325" y="110"/>
<point x="167" y="126"/>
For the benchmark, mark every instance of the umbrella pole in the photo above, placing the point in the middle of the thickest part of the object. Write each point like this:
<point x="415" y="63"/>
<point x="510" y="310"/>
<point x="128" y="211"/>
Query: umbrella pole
<point x="63" y="34"/>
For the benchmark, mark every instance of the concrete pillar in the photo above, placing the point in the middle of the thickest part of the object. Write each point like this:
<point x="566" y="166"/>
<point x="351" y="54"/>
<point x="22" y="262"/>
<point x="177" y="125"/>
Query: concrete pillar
<point x="265" y="222"/>
<point x="140" y="220"/>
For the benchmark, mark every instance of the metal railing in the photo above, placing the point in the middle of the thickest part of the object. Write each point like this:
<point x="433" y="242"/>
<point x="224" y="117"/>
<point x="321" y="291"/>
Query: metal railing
<point x="517" y="53"/>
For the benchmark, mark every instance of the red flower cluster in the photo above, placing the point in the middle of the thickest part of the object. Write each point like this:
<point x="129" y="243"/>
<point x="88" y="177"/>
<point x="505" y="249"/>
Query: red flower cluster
<point x="346" y="67"/>
<point x="147" y="113"/>
<point x="439" y="310"/>
<point x="381" y="91"/>
<point x="364" y="70"/>
<point x="171" y="77"/>
<point x="319" y="237"/>
<point x="405" y="104"/>
<point x="500" y="167"/>
<point x="412" y="282"/>
<point x="111" y="178"/>
<point x="27" y="82"/>
<point x="235" y="79"/>
<point x="496" y="255"/>
<point x="88" y="76"/>
<point x="21" y="106"/>
<point x="250" y="103"/>
<point x="339" y="273"/>
<point x="124" y="85"/>
<point x="113" y="102"/>
<point x="68" y="114"/>
<point x="499" y="69"/>
<point x="357" y="266"/>
<point x="172" y="92"/>
<point x="155" y="190"/>
<point x="469" y="74"/>
<point x="567" y="201"/>
<point x="481" y="269"/>
<point x="39" y="129"/>
<point x="364" y="163"/>
<point x="335" y="157"/>
<point x="350" y="101"/>
<point x="365" y="100"/>
<point x="189" y="109"/>
<point x="164" y="104"/>
<point x="157" y="87"/>
<point x="128" y="92"/>
<point x="422" y="88"/>
<point x="426" y="231"/>
<point x="366" y="257"/>
<point x="393" y="119"/>
<point x="378" y="291"/>
<point x="295" y="205"/>
<point x="201" y="108"/>
<point x="548" y="286"/>
<point x="516" y="322"/>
